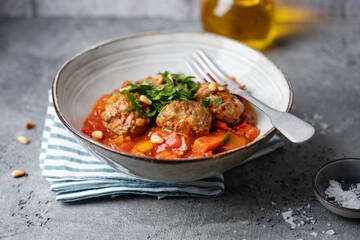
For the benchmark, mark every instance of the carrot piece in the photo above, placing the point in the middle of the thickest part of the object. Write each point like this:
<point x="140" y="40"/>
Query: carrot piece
<point x="208" y="143"/>
<point x="252" y="133"/>
<point x="220" y="125"/>
<point x="167" y="154"/>
<point x="248" y="132"/>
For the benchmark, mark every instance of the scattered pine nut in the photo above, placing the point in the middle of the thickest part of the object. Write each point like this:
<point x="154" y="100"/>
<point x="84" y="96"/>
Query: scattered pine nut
<point x="160" y="78"/>
<point x="29" y="125"/>
<point x="156" y="139"/>
<point x="18" y="173"/>
<point x="125" y="88"/>
<point x="97" y="134"/>
<point x="22" y="140"/>
<point x="221" y="88"/>
<point x="140" y="122"/>
<point x="145" y="100"/>
<point x="171" y="78"/>
<point x="212" y="87"/>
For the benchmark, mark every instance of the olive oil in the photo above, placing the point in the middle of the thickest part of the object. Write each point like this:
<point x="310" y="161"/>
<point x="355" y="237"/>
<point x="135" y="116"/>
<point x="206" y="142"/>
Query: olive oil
<point x="248" y="21"/>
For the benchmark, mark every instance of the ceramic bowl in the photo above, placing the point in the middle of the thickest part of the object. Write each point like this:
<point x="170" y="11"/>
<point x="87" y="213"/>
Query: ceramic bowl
<point x="104" y="67"/>
<point x="347" y="172"/>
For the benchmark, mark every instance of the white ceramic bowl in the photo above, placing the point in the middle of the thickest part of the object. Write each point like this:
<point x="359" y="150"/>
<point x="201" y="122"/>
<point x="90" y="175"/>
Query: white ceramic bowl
<point x="104" y="67"/>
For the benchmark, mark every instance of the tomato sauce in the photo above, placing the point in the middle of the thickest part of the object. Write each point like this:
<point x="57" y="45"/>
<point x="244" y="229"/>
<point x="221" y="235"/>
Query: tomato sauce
<point x="176" y="145"/>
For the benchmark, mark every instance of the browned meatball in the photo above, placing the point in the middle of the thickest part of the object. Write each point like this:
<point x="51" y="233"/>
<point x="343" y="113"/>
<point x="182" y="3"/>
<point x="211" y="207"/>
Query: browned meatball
<point x="128" y="123"/>
<point x="189" y="118"/>
<point x="228" y="111"/>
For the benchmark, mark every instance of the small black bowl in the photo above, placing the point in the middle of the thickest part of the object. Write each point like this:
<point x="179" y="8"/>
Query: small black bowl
<point x="347" y="172"/>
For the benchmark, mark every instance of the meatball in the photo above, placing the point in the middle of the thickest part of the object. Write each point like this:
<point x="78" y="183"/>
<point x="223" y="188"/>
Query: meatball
<point x="228" y="111"/>
<point x="189" y="118"/>
<point x="127" y="123"/>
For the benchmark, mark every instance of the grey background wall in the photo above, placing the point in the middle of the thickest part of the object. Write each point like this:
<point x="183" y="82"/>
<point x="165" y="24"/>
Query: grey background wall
<point x="166" y="9"/>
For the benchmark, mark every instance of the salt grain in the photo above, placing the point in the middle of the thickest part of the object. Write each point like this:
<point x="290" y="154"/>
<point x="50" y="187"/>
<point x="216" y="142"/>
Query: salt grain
<point x="314" y="234"/>
<point x="348" y="199"/>
<point x="330" y="232"/>
<point x="288" y="217"/>
<point x="324" y="125"/>
<point x="317" y="120"/>
<point x="297" y="218"/>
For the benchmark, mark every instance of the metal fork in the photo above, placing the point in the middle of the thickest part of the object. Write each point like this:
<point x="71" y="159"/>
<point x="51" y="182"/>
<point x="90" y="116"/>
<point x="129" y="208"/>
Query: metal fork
<point x="292" y="127"/>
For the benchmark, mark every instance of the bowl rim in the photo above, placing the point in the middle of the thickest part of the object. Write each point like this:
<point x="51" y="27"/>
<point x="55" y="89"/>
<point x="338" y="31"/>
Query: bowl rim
<point x="324" y="198"/>
<point x="147" y="158"/>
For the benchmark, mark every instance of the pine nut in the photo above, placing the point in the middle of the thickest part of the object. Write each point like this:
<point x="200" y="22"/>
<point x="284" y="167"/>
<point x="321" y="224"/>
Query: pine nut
<point x="29" y="125"/>
<point x="212" y="87"/>
<point x="171" y="78"/>
<point x="221" y="88"/>
<point x="156" y="139"/>
<point x="22" y="140"/>
<point x="97" y="134"/>
<point x="160" y="78"/>
<point x="145" y="100"/>
<point x="140" y="122"/>
<point x="125" y="88"/>
<point x="18" y="173"/>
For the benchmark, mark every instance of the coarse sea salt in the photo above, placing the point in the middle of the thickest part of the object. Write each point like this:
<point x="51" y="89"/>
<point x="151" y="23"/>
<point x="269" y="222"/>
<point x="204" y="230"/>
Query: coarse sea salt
<point x="298" y="217"/>
<point x="330" y="232"/>
<point x="288" y="217"/>
<point x="348" y="199"/>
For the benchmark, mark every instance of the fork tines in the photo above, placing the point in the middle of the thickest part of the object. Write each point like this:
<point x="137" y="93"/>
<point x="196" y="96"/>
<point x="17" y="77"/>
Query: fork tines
<point x="204" y="69"/>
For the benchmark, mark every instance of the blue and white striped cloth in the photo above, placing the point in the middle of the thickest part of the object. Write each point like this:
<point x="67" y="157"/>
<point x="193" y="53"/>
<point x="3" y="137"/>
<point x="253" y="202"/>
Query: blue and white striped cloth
<point x="74" y="174"/>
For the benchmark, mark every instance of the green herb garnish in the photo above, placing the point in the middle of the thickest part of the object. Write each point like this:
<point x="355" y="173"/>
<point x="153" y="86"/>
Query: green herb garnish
<point x="175" y="87"/>
<point x="205" y="102"/>
<point x="127" y="109"/>
<point x="136" y="104"/>
<point x="226" y="138"/>
<point x="218" y="101"/>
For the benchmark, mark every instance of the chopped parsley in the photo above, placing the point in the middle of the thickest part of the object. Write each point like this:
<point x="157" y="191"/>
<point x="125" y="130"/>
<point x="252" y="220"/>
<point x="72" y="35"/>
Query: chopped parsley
<point x="226" y="137"/>
<point x="175" y="87"/>
<point x="135" y="104"/>
<point x="218" y="101"/>
<point x="205" y="102"/>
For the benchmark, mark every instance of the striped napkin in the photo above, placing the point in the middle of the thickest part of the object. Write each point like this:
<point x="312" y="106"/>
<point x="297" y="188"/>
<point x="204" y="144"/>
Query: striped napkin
<point x="74" y="174"/>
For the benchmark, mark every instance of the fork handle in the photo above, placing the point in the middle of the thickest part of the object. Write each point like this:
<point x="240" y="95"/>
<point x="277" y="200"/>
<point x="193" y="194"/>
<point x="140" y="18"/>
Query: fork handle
<point x="292" y="127"/>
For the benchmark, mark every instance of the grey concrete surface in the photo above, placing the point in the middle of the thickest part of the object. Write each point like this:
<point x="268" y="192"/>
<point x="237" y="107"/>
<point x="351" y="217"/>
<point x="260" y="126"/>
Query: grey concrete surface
<point x="323" y="65"/>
